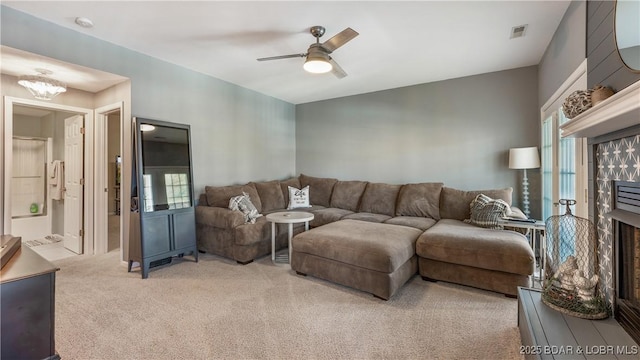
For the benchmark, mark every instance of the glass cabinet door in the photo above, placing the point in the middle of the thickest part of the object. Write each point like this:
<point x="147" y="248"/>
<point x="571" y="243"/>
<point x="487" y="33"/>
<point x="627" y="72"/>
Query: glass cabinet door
<point x="166" y="170"/>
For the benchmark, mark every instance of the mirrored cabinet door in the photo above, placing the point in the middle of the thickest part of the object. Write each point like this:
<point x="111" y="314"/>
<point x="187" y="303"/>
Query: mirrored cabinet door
<point x="163" y="224"/>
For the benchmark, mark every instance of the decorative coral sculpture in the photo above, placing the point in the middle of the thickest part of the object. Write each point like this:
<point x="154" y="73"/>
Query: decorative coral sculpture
<point x="565" y="273"/>
<point x="586" y="287"/>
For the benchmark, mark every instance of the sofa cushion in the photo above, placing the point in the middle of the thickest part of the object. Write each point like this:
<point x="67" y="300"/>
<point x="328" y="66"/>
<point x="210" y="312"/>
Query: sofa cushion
<point x="454" y="204"/>
<point x="419" y="200"/>
<point x="284" y="186"/>
<point x="270" y="195"/>
<point x="328" y="215"/>
<point x="455" y="242"/>
<point x="380" y="198"/>
<point x="346" y="194"/>
<point x="486" y="211"/>
<point x="320" y="189"/>
<point x="220" y="195"/>
<point x="378" y="247"/>
<point x="417" y="222"/>
<point x="370" y="217"/>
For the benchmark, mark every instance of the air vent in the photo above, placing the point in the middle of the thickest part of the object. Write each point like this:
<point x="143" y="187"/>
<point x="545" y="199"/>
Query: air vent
<point x="518" y="31"/>
<point x="627" y="196"/>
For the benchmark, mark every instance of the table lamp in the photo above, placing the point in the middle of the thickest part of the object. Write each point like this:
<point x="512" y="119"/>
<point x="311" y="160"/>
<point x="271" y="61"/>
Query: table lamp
<point x="524" y="158"/>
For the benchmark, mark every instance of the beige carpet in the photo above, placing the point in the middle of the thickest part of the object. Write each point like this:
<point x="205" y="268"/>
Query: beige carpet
<point x="216" y="309"/>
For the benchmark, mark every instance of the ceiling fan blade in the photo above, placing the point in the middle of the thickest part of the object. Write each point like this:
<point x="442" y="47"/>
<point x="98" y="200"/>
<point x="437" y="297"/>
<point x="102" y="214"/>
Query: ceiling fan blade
<point x="282" y="57"/>
<point x="339" y="39"/>
<point x="337" y="70"/>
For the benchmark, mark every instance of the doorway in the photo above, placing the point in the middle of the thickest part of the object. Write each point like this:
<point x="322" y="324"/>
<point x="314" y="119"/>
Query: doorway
<point x="108" y="191"/>
<point x="36" y="183"/>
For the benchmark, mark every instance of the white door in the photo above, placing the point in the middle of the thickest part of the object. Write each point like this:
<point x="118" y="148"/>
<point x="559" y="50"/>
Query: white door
<point x="73" y="182"/>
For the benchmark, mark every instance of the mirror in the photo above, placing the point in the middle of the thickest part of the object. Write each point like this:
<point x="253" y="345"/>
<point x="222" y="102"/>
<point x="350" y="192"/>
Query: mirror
<point x="627" y="23"/>
<point x="166" y="166"/>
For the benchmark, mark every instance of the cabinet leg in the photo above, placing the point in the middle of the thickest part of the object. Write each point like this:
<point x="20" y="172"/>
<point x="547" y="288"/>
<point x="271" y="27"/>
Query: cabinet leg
<point x="145" y="269"/>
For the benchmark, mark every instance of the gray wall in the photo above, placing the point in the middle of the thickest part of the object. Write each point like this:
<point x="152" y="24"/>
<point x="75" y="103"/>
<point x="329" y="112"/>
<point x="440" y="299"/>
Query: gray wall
<point x="238" y="135"/>
<point x="455" y="131"/>
<point x="566" y="51"/>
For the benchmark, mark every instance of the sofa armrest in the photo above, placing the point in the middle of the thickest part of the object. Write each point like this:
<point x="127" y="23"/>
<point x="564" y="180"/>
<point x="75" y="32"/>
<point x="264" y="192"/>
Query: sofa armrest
<point x="218" y="217"/>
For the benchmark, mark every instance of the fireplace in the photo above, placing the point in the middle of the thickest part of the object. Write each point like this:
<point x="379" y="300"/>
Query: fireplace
<point x="613" y="130"/>
<point x="626" y="216"/>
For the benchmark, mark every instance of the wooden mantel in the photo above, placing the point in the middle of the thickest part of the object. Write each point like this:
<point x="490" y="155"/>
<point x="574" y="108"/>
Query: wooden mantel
<point x="620" y="111"/>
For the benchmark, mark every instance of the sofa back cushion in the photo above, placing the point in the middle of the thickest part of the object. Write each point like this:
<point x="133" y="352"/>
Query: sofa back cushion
<point x="454" y="204"/>
<point x="320" y="189"/>
<point x="284" y="186"/>
<point x="420" y="200"/>
<point x="270" y="194"/>
<point x="379" y="198"/>
<point x="346" y="194"/>
<point x="219" y="196"/>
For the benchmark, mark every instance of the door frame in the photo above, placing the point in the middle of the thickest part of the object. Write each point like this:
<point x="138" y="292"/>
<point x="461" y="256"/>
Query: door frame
<point x="101" y="238"/>
<point x="576" y="81"/>
<point x="7" y="151"/>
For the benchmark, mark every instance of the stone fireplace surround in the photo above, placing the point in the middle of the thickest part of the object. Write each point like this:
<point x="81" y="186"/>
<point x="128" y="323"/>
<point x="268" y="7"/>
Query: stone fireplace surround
<point x="613" y="131"/>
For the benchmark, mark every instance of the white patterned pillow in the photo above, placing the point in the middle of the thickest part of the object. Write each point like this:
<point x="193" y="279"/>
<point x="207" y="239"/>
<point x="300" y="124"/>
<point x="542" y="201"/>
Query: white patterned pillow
<point x="298" y="198"/>
<point x="486" y="211"/>
<point x="243" y="204"/>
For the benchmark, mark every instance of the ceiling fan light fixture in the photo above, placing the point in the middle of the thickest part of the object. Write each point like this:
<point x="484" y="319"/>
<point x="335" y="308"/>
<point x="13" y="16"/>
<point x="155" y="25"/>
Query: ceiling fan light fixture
<point x="315" y="66"/>
<point x="41" y="87"/>
<point x="317" y="63"/>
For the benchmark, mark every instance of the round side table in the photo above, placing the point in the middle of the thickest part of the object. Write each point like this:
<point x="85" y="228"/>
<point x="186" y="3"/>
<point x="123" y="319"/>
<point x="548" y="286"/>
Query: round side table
<point x="290" y="218"/>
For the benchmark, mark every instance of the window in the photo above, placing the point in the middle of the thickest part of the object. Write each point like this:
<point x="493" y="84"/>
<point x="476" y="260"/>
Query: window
<point x="148" y="192"/>
<point x="177" y="188"/>
<point x="563" y="167"/>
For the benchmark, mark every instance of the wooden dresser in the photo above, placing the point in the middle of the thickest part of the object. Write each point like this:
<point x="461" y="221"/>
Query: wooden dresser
<point x="27" y="302"/>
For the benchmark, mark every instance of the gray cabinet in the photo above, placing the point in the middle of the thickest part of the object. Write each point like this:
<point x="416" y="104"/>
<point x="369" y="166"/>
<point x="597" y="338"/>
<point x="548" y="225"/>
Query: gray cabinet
<point x="27" y="300"/>
<point x="163" y="225"/>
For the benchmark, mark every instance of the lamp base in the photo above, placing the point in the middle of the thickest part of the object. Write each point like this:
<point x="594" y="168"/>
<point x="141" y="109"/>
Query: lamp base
<point x="525" y="195"/>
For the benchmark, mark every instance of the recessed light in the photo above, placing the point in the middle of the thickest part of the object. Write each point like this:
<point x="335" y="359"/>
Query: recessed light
<point x="84" y="22"/>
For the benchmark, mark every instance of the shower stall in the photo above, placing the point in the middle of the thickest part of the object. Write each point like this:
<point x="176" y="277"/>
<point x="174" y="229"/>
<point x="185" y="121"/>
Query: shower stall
<point x="30" y="198"/>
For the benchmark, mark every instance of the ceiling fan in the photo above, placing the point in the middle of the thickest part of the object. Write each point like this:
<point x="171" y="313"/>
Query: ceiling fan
<point x="318" y="60"/>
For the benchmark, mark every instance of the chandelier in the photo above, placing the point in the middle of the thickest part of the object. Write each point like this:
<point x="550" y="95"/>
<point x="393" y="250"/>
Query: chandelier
<point x="42" y="87"/>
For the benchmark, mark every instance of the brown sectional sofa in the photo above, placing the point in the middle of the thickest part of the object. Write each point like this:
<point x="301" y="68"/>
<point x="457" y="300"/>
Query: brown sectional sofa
<point x="371" y="236"/>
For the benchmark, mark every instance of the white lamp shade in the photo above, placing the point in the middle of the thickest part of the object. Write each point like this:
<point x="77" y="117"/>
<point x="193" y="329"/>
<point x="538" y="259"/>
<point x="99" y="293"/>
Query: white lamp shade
<point x="524" y="158"/>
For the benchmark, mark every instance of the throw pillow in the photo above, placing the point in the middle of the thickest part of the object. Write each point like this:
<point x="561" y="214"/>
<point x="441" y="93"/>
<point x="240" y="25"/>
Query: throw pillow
<point x="486" y="211"/>
<point x="298" y="198"/>
<point x="243" y="204"/>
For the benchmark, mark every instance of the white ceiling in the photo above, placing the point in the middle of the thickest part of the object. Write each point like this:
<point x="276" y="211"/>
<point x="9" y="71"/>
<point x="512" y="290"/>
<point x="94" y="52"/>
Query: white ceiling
<point x="400" y="43"/>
